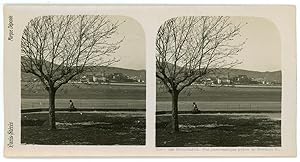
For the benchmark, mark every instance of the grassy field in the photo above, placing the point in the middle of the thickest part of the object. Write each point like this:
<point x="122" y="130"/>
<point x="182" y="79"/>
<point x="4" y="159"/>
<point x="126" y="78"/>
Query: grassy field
<point x="220" y="130"/>
<point x="90" y="128"/>
<point x="86" y="129"/>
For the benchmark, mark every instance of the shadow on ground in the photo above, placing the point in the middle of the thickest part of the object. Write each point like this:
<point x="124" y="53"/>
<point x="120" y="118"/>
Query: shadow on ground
<point x="85" y="129"/>
<point x="217" y="130"/>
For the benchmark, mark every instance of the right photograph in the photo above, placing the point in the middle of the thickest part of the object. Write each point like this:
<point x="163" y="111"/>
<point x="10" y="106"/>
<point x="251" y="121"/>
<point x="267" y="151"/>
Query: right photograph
<point x="218" y="82"/>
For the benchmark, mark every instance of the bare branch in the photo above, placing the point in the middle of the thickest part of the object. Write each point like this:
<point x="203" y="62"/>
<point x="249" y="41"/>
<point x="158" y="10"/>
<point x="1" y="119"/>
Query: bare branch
<point x="188" y="48"/>
<point x="57" y="48"/>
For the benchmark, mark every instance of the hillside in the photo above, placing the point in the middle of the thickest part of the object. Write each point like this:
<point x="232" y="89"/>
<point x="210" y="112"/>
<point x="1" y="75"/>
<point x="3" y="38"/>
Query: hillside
<point x="98" y="71"/>
<point x="268" y="76"/>
<point x="230" y="73"/>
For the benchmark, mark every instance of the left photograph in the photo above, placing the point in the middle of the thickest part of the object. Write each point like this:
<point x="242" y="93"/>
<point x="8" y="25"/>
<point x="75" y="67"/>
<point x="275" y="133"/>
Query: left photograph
<point x="83" y="81"/>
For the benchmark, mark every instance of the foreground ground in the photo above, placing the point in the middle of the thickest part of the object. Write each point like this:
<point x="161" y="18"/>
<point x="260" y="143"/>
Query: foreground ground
<point x="220" y="130"/>
<point x="90" y="128"/>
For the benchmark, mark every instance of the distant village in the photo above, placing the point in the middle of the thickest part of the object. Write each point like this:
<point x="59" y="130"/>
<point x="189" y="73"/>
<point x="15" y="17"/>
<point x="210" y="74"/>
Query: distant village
<point x="95" y="78"/>
<point x="105" y="79"/>
<point x="236" y="80"/>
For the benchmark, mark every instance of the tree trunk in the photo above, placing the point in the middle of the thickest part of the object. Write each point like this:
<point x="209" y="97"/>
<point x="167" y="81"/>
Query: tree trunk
<point x="52" y="108"/>
<point x="175" y="111"/>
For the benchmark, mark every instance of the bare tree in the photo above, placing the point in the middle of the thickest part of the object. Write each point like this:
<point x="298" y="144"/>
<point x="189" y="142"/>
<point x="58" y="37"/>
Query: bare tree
<point x="189" y="48"/>
<point x="57" y="48"/>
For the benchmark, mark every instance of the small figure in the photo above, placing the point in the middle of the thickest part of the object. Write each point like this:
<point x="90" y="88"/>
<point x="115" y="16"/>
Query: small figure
<point x="195" y="110"/>
<point x="71" y="106"/>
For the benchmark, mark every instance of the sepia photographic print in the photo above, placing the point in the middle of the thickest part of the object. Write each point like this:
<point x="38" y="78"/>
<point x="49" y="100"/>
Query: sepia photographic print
<point x="216" y="84"/>
<point x="149" y="80"/>
<point x="83" y="81"/>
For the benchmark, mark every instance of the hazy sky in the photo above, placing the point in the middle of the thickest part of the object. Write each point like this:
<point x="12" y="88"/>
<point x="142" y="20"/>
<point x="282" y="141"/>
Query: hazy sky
<point x="132" y="51"/>
<point x="262" y="51"/>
